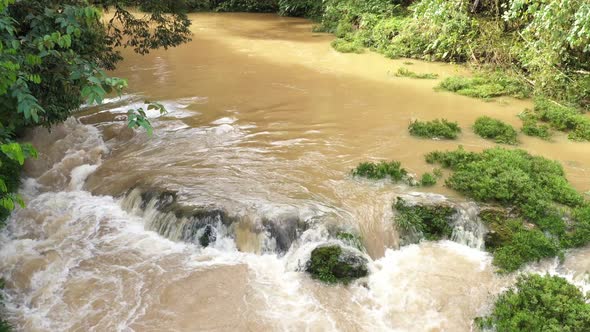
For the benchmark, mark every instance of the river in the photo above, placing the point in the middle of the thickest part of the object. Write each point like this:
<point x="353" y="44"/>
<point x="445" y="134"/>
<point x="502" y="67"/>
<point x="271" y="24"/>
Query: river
<point x="265" y="121"/>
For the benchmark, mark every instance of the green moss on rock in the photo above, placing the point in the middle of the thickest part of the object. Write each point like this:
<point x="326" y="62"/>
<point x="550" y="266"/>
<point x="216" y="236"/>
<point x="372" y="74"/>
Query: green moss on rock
<point x="430" y="221"/>
<point x="333" y="264"/>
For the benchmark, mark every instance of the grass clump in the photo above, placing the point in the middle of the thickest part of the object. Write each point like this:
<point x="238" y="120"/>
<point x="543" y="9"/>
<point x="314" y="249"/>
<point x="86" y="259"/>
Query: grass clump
<point x="532" y="127"/>
<point x="539" y="303"/>
<point x="331" y="264"/>
<point x="431" y="222"/>
<point x="381" y="170"/>
<point x="497" y="130"/>
<point x="435" y="129"/>
<point x="404" y="72"/>
<point x="564" y="118"/>
<point x="536" y="191"/>
<point x="428" y="179"/>
<point x="347" y="46"/>
<point x="486" y="86"/>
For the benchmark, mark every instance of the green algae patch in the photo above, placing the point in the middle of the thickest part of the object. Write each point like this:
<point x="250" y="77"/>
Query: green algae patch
<point x="405" y="72"/>
<point x="333" y="264"/>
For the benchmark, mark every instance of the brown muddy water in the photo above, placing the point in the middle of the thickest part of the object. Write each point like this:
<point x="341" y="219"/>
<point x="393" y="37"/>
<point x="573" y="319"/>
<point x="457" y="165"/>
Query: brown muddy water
<point x="265" y="122"/>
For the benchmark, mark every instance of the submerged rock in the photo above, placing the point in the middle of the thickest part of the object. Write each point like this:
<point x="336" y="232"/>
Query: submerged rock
<point x="333" y="263"/>
<point x="285" y="229"/>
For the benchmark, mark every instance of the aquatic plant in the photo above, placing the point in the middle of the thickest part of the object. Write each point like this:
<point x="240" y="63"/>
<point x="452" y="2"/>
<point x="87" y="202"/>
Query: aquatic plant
<point x="435" y="129"/>
<point x="564" y="118"/>
<point x="534" y="188"/>
<point x="428" y="180"/>
<point x="532" y="127"/>
<point x="351" y="239"/>
<point x="497" y="130"/>
<point x="404" y="72"/>
<point x="381" y="170"/>
<point x="345" y="46"/>
<point x="539" y="303"/>
<point x="486" y="86"/>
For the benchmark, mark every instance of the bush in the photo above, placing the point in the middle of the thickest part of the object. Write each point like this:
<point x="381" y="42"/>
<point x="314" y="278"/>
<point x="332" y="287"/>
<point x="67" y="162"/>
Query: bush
<point x="564" y="118"/>
<point x="485" y="86"/>
<point x="435" y="129"/>
<point x="304" y="8"/>
<point x="345" y="46"/>
<point x="534" y="188"/>
<point x="404" y="72"/>
<point x="540" y="303"/>
<point x="381" y="170"/>
<point x="9" y="173"/>
<point x="509" y="177"/>
<point x="428" y="180"/>
<point x="497" y="130"/>
<point x="432" y="222"/>
<point x="531" y="126"/>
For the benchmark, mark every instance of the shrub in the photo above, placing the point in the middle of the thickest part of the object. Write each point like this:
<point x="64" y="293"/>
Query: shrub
<point x="531" y="126"/>
<point x="486" y="86"/>
<point x="432" y="222"/>
<point x="533" y="187"/>
<point x="404" y="72"/>
<point x="564" y="118"/>
<point x="497" y="130"/>
<point x="540" y="303"/>
<point x="509" y="177"/>
<point x="345" y="46"/>
<point x="428" y="180"/>
<point x="435" y="129"/>
<point x="304" y="8"/>
<point x="381" y="170"/>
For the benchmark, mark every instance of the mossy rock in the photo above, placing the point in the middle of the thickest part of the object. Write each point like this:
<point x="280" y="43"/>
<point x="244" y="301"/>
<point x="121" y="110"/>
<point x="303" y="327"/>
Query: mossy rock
<point x="499" y="228"/>
<point x="430" y="220"/>
<point x="334" y="264"/>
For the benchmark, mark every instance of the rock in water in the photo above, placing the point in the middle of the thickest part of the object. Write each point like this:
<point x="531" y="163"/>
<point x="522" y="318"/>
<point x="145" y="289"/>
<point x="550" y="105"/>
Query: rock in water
<point x="334" y="264"/>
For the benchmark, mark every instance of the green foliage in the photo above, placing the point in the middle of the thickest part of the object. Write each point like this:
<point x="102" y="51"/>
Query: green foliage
<point x="486" y="86"/>
<point x="381" y="170"/>
<point x="563" y="118"/>
<point x="304" y="8"/>
<point x="431" y="222"/>
<point x="497" y="130"/>
<point x="540" y="303"/>
<point x="509" y="177"/>
<point x="435" y="129"/>
<point x="536" y="189"/>
<point x="404" y="72"/>
<point x="524" y="246"/>
<point x="351" y="239"/>
<point x="428" y="180"/>
<point x="532" y="127"/>
<point x="345" y="46"/>
<point x="328" y="264"/>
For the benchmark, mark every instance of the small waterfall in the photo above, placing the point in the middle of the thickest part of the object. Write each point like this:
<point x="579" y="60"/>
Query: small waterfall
<point x="467" y="227"/>
<point x="268" y="231"/>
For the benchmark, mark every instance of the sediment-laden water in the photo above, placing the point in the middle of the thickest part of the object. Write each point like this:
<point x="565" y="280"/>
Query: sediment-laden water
<point x="265" y="121"/>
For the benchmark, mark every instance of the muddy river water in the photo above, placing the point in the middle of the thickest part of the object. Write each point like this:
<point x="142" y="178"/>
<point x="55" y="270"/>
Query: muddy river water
<point x="265" y="121"/>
